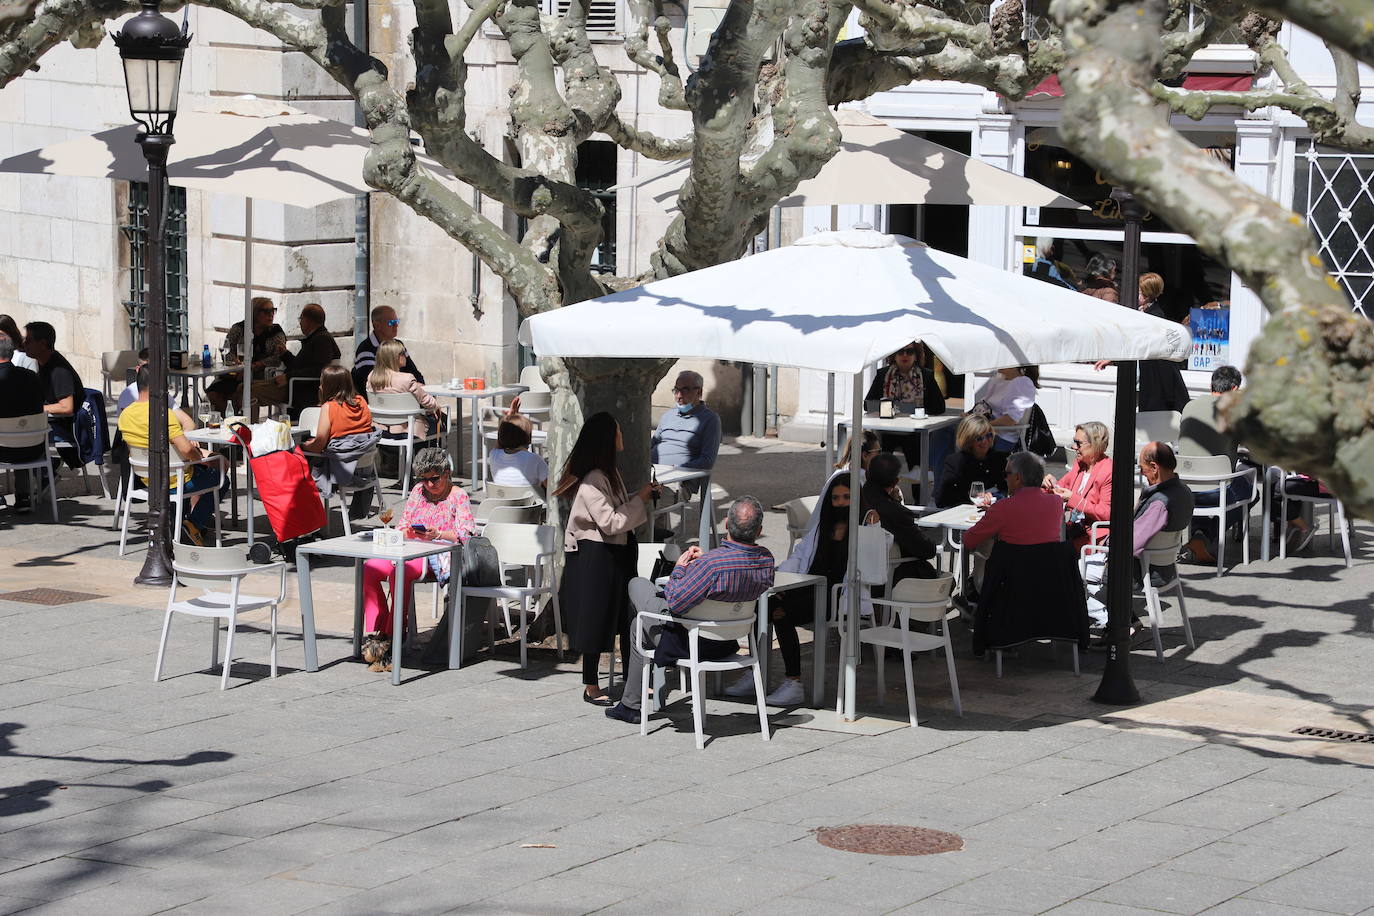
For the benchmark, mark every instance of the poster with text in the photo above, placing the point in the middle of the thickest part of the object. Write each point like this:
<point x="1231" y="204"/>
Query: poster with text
<point x="1211" y="338"/>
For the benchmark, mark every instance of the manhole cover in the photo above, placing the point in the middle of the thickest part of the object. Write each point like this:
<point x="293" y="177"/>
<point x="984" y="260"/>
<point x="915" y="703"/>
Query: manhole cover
<point x="48" y="596"/>
<point x="889" y="840"/>
<point x="1335" y="734"/>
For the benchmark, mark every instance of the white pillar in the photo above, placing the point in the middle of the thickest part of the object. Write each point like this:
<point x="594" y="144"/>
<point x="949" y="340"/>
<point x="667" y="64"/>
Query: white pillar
<point x="990" y="228"/>
<point x="1257" y="164"/>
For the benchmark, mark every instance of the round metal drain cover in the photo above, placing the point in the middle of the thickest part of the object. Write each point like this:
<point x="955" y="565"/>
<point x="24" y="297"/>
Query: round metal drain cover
<point x="889" y="840"/>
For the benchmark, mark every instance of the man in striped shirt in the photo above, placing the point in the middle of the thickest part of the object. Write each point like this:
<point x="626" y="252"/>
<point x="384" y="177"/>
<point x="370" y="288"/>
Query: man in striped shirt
<point x="737" y="570"/>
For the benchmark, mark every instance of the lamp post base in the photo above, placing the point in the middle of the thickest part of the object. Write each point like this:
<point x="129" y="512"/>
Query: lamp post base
<point x="1117" y="687"/>
<point x="156" y="571"/>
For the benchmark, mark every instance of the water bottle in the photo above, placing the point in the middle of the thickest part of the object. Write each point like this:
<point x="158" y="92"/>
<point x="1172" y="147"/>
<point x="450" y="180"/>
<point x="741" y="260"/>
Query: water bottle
<point x="205" y="356"/>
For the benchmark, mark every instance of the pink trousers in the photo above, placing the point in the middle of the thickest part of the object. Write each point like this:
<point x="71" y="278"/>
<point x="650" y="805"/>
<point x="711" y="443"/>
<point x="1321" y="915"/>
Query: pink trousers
<point x="376" y="608"/>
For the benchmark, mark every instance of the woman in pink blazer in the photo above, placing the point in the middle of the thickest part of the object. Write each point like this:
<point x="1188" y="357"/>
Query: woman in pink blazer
<point x="1087" y="487"/>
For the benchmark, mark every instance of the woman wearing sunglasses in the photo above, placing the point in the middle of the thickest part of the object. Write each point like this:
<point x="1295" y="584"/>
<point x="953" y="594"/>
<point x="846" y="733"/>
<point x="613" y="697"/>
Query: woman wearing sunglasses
<point x="1087" y="487"/>
<point x="436" y="510"/>
<point x="974" y="460"/>
<point x="905" y="381"/>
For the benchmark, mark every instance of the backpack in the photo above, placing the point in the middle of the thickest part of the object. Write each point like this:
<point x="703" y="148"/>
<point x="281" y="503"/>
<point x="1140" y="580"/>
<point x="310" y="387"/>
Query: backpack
<point x="1038" y="439"/>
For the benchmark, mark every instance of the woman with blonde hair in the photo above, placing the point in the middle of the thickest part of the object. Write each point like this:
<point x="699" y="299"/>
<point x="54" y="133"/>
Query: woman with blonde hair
<point x="389" y="376"/>
<point x="974" y="459"/>
<point x="1087" y="487"/>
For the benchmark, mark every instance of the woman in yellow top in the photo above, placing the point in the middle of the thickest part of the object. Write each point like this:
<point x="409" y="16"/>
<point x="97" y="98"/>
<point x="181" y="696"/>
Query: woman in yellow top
<point x="133" y="427"/>
<point x="600" y="553"/>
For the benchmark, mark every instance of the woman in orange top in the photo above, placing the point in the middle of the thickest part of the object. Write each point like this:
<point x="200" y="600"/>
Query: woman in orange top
<point x="342" y="412"/>
<point x="1087" y="488"/>
<point x="343" y="436"/>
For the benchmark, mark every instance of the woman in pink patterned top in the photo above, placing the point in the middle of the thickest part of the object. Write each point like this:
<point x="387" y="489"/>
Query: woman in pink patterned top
<point x="445" y="512"/>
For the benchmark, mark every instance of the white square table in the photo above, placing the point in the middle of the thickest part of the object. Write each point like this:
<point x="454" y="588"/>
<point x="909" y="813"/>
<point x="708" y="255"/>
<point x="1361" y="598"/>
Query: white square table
<point x="669" y="475"/>
<point x="359" y="547"/>
<point x="958" y="519"/>
<point x="921" y="426"/>
<point x="476" y="395"/>
<point x="197" y="377"/>
<point x="785" y="582"/>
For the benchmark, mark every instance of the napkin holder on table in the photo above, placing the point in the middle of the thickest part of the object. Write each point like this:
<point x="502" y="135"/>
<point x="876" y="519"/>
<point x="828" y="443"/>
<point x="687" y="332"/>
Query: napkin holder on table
<point x="388" y="540"/>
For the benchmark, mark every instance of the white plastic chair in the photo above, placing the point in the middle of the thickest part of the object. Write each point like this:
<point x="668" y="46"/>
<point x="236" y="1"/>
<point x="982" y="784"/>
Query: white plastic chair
<point x="923" y="600"/>
<point x="390" y="408"/>
<point x="114" y="366"/>
<point x="1214" y="472"/>
<point x="1157" y="426"/>
<point x="508" y="491"/>
<point x="728" y="621"/>
<point x="209" y="568"/>
<point x="1335" y="515"/>
<point x="366" y="462"/>
<point x="532" y="514"/>
<point x="481" y="513"/>
<point x="798" y="517"/>
<point x="29" y="432"/>
<point x="136" y="488"/>
<point x="533" y="547"/>
<point x="1161" y="551"/>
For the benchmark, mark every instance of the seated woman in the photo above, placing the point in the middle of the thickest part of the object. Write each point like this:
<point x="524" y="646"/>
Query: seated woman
<point x="905" y="381"/>
<point x="389" y="376"/>
<point x="344" y="433"/>
<point x="974" y="460"/>
<point x="881" y="496"/>
<point x="435" y="510"/>
<point x="1087" y="487"/>
<point x="512" y="462"/>
<point x="1006" y="398"/>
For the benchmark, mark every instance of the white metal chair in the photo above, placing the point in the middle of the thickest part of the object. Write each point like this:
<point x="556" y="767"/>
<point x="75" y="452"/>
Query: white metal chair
<point x="1161" y="552"/>
<point x="209" y="569"/>
<point x="1335" y="515"/>
<point x="481" y="513"/>
<point x="367" y="462"/>
<point x="532" y="514"/>
<point x="533" y="547"/>
<point x="391" y="408"/>
<point x="136" y="488"/>
<point x="798" y="517"/>
<point x="717" y="620"/>
<point x="29" y="432"/>
<point x="114" y="366"/>
<point x="508" y="491"/>
<point x="1215" y="472"/>
<point x="925" y="601"/>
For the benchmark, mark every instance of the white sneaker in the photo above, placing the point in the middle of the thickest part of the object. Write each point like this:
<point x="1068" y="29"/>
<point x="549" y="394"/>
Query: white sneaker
<point x="744" y="687"/>
<point x="789" y="693"/>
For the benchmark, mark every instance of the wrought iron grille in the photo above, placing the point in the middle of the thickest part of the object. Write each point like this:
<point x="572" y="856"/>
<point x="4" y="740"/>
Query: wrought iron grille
<point x="1334" y="189"/>
<point x="136" y="232"/>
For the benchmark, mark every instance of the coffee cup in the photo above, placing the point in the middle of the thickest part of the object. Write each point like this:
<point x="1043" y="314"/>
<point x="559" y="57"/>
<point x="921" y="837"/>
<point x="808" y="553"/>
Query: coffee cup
<point x="455" y="382"/>
<point x="918" y="413"/>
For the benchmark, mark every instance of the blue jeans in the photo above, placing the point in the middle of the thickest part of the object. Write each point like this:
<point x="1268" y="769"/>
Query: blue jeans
<point x="202" y="513"/>
<point x="1238" y="494"/>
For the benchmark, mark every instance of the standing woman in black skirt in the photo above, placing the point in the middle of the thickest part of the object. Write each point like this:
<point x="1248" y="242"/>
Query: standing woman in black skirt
<point x="599" y="547"/>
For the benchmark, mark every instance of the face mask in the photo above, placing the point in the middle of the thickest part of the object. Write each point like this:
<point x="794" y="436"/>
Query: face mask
<point x="685" y="408"/>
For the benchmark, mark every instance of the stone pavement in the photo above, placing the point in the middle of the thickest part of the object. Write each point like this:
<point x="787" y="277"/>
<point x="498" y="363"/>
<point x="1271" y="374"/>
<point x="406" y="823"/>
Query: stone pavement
<point x="492" y="790"/>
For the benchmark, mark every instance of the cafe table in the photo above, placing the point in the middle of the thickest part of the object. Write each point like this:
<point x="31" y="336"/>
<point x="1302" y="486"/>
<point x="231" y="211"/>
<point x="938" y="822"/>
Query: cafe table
<point x="359" y="548"/>
<point x="953" y="522"/>
<point x="786" y="582"/>
<point x="670" y="475"/>
<point x="197" y="378"/>
<point x="907" y="425"/>
<point x="220" y="436"/>
<point x="476" y="395"/>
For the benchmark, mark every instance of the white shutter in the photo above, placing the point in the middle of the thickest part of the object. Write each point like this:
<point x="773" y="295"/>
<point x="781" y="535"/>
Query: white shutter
<point x="601" y="15"/>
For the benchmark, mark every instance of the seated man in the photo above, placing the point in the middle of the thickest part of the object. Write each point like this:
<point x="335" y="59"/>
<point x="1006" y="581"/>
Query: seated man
<point x="1029" y="515"/>
<point x="318" y="350"/>
<point x="1202" y="432"/>
<point x="385" y="326"/>
<point x="881" y="494"/>
<point x="133" y="426"/>
<point x="737" y="570"/>
<point x="689" y="436"/>
<point x="1166" y="504"/>
<point x="21" y="395"/>
<point x="130" y="392"/>
<point x="62" y="388"/>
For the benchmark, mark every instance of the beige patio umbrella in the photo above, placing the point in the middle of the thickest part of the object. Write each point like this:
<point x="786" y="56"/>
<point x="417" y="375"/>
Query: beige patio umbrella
<point x="878" y="164"/>
<point x="247" y="146"/>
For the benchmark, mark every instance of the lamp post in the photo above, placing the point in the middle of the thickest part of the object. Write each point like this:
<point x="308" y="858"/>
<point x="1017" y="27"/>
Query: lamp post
<point x="1117" y="687"/>
<point x="152" y="47"/>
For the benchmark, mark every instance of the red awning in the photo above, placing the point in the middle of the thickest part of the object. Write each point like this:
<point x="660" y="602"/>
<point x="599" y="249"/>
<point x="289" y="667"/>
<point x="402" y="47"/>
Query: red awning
<point x="1049" y="88"/>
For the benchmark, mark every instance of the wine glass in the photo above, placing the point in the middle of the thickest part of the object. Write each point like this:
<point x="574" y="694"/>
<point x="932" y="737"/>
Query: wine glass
<point x="203" y="410"/>
<point x="386" y="515"/>
<point x="975" y="491"/>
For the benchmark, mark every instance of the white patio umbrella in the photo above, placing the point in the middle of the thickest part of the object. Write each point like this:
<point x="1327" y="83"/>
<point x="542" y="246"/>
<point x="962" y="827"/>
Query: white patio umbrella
<point x="878" y="164"/>
<point x="246" y="146"/>
<point x="839" y="301"/>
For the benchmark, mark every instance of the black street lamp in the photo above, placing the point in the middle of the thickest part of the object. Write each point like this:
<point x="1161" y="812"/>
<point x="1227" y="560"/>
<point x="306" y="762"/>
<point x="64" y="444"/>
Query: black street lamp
<point x="1117" y="687"/>
<point x="152" y="47"/>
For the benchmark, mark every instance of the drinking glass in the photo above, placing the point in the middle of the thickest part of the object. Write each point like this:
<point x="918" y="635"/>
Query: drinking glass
<point x="975" y="491"/>
<point x="203" y="411"/>
<point x="214" y="419"/>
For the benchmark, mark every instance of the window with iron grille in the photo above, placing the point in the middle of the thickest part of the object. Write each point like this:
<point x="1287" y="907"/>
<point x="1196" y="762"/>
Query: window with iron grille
<point x="136" y="232"/>
<point x="1334" y="189"/>
<point x="601" y="14"/>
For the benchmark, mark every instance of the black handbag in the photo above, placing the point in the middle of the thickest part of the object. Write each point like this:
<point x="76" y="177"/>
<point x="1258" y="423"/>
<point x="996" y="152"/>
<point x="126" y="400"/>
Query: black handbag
<point x="1038" y="439"/>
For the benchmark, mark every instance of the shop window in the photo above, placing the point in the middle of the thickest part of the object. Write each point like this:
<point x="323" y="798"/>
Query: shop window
<point x="135" y="230"/>
<point x="1335" y="191"/>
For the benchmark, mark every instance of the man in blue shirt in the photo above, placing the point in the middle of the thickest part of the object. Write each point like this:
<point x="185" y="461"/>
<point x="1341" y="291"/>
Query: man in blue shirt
<point x="737" y="570"/>
<point x="689" y="435"/>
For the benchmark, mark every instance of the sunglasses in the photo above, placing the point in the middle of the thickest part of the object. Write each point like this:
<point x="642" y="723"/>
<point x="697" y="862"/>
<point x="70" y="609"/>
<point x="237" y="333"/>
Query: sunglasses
<point x="907" y="351"/>
<point x="985" y="437"/>
<point x="433" y="478"/>
<point x="267" y="311"/>
<point x="394" y="323"/>
<point x="1079" y="443"/>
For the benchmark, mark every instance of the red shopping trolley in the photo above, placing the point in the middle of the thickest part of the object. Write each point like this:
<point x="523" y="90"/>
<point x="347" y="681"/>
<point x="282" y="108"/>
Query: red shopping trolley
<point x="286" y="488"/>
